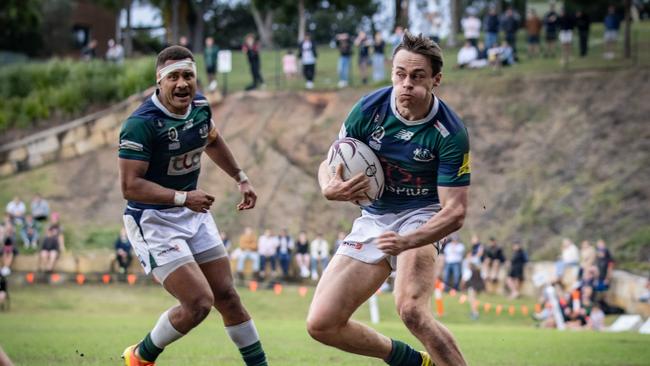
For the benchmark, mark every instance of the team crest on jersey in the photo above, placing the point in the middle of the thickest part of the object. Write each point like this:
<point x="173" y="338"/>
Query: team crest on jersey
<point x="204" y="131"/>
<point x="423" y="155"/>
<point x="376" y="137"/>
<point x="404" y="135"/>
<point x="185" y="163"/>
<point x="172" y="134"/>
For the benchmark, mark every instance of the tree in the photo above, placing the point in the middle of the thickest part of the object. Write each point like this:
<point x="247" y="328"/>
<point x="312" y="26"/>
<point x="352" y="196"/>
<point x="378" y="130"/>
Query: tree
<point x="402" y="13"/>
<point x="21" y="24"/>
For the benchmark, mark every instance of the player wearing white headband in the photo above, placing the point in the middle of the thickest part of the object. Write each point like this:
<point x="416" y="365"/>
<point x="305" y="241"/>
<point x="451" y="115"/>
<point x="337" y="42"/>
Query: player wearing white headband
<point x="168" y="218"/>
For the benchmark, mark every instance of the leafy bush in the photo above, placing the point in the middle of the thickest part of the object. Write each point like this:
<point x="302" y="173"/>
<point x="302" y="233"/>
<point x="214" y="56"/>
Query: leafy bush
<point x="32" y="92"/>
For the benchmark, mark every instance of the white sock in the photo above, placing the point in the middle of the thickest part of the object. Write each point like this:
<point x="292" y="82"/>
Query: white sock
<point x="244" y="334"/>
<point x="164" y="332"/>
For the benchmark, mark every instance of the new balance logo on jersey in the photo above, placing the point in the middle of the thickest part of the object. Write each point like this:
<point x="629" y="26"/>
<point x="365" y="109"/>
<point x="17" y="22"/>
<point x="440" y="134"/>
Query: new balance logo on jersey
<point x="185" y="163"/>
<point x="404" y="135"/>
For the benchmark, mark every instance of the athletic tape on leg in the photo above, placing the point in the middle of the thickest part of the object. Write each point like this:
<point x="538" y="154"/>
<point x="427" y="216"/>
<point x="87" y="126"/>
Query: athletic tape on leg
<point x="244" y="334"/>
<point x="164" y="332"/>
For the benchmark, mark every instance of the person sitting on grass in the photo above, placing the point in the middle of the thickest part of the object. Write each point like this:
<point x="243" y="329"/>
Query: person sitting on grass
<point x="123" y="251"/>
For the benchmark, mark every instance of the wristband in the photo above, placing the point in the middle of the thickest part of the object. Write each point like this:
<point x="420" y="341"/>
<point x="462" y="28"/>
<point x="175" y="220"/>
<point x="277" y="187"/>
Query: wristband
<point x="241" y="177"/>
<point x="179" y="198"/>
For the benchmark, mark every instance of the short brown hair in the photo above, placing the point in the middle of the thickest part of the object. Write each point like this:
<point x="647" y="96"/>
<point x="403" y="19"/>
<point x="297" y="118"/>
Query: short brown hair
<point x="423" y="46"/>
<point x="173" y="53"/>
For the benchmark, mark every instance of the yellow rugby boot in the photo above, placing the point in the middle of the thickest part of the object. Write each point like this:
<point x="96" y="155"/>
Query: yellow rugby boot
<point x="130" y="359"/>
<point x="426" y="359"/>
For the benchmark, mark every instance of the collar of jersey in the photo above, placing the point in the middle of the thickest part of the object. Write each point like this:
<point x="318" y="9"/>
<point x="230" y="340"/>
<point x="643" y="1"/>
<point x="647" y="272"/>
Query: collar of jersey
<point x="159" y="105"/>
<point x="426" y="119"/>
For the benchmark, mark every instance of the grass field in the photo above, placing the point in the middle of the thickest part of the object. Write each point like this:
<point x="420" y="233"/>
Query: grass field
<point x="71" y="325"/>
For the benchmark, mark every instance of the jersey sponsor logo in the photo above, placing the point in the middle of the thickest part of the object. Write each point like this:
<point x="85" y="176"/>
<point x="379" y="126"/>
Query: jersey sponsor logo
<point x="405" y="191"/>
<point x="353" y="244"/>
<point x="466" y="168"/>
<point x="189" y="124"/>
<point x="404" y="135"/>
<point x="131" y="145"/>
<point x="174" y="146"/>
<point x="172" y="134"/>
<point x="423" y="155"/>
<point x="185" y="163"/>
<point x="441" y="128"/>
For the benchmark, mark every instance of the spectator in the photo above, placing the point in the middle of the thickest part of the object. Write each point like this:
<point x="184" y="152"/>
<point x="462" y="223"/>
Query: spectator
<point x="185" y="42"/>
<point x="302" y="254"/>
<point x="345" y="50"/>
<point x="248" y="247"/>
<point x="605" y="264"/>
<point x="597" y="318"/>
<point x="378" y="58"/>
<point x="566" y="23"/>
<point x="89" y="52"/>
<point x="123" y="251"/>
<point x="4" y="299"/>
<point x="478" y="250"/>
<point x="435" y="21"/>
<point x="646" y="296"/>
<point x="29" y="232"/>
<point x="267" y="247"/>
<point x="16" y="210"/>
<point x="587" y="257"/>
<point x="516" y="273"/>
<point x="40" y="209"/>
<point x="492" y="27"/>
<point x="251" y="49"/>
<point x="569" y="257"/>
<point x="505" y="54"/>
<point x="454" y="252"/>
<point x="493" y="261"/>
<point x="472" y="279"/>
<point x="466" y="55"/>
<point x="115" y="52"/>
<point x="308" y="54"/>
<point x="51" y="248"/>
<point x="363" y="42"/>
<point x="510" y="25"/>
<point x="533" y="29"/>
<point x="471" y="27"/>
<point x="612" y="25"/>
<point x="9" y="248"/>
<point x="583" y="23"/>
<point x="551" y="30"/>
<point x="320" y="255"/>
<point x="396" y="38"/>
<point x="285" y="247"/>
<point x="482" y="59"/>
<point x="210" y="54"/>
<point x="289" y="65"/>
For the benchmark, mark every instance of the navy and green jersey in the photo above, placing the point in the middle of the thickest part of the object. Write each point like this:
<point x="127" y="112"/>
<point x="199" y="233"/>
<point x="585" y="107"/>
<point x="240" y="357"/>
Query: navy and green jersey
<point x="417" y="156"/>
<point x="172" y="144"/>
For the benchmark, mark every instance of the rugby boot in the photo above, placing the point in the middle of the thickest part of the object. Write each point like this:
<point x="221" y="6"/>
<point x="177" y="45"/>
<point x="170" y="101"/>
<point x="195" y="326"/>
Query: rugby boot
<point x="130" y="359"/>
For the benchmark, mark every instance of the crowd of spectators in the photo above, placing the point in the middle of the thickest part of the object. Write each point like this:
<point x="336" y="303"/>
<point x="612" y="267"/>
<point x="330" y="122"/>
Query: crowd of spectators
<point x="36" y="229"/>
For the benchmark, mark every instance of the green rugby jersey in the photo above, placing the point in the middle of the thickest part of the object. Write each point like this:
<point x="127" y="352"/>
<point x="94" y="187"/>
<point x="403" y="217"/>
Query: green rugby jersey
<point x="171" y="143"/>
<point x="416" y="156"/>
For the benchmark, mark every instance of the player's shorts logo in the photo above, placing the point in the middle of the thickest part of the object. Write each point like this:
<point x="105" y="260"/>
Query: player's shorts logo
<point x="185" y="163"/>
<point x="353" y="244"/>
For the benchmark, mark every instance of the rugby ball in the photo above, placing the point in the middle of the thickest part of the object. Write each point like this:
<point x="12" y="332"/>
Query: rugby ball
<point x="356" y="158"/>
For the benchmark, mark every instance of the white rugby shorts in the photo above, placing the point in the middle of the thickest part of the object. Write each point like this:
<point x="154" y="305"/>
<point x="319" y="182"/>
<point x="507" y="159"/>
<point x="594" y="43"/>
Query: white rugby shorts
<point x="174" y="235"/>
<point x="360" y="243"/>
<point x="566" y="36"/>
<point x="611" y="35"/>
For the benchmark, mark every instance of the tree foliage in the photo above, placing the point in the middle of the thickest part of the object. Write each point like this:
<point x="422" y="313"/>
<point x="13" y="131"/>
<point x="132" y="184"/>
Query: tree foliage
<point x="20" y="29"/>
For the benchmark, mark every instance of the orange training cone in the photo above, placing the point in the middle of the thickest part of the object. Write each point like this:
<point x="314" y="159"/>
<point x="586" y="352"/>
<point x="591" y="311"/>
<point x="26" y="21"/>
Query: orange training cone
<point x="106" y="278"/>
<point x="29" y="277"/>
<point x="302" y="290"/>
<point x="538" y="308"/>
<point x="524" y="310"/>
<point x="440" y="307"/>
<point x="511" y="310"/>
<point x="80" y="279"/>
<point x="252" y="286"/>
<point x="277" y="288"/>
<point x="131" y="279"/>
<point x="55" y="277"/>
<point x="486" y="307"/>
<point x="498" y="309"/>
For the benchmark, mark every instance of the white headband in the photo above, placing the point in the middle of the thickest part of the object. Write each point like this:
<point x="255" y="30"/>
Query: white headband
<point x="180" y="65"/>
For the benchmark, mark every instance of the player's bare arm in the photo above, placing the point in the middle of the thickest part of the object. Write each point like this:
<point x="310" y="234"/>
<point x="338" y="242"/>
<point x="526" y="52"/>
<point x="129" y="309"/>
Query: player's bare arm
<point x="448" y="220"/>
<point x="334" y="188"/>
<point x="220" y="153"/>
<point x="136" y="188"/>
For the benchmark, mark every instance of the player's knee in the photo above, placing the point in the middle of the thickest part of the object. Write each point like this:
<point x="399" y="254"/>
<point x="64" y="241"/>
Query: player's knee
<point x="199" y="307"/>
<point x="410" y="313"/>
<point x="320" y="329"/>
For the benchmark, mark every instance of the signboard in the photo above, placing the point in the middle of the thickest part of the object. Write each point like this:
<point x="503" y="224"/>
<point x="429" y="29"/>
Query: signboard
<point x="224" y="61"/>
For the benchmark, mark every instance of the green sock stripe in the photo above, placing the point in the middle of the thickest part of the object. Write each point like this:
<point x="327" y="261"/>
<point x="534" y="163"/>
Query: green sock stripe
<point x="147" y="350"/>
<point x="402" y="354"/>
<point x="254" y="355"/>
